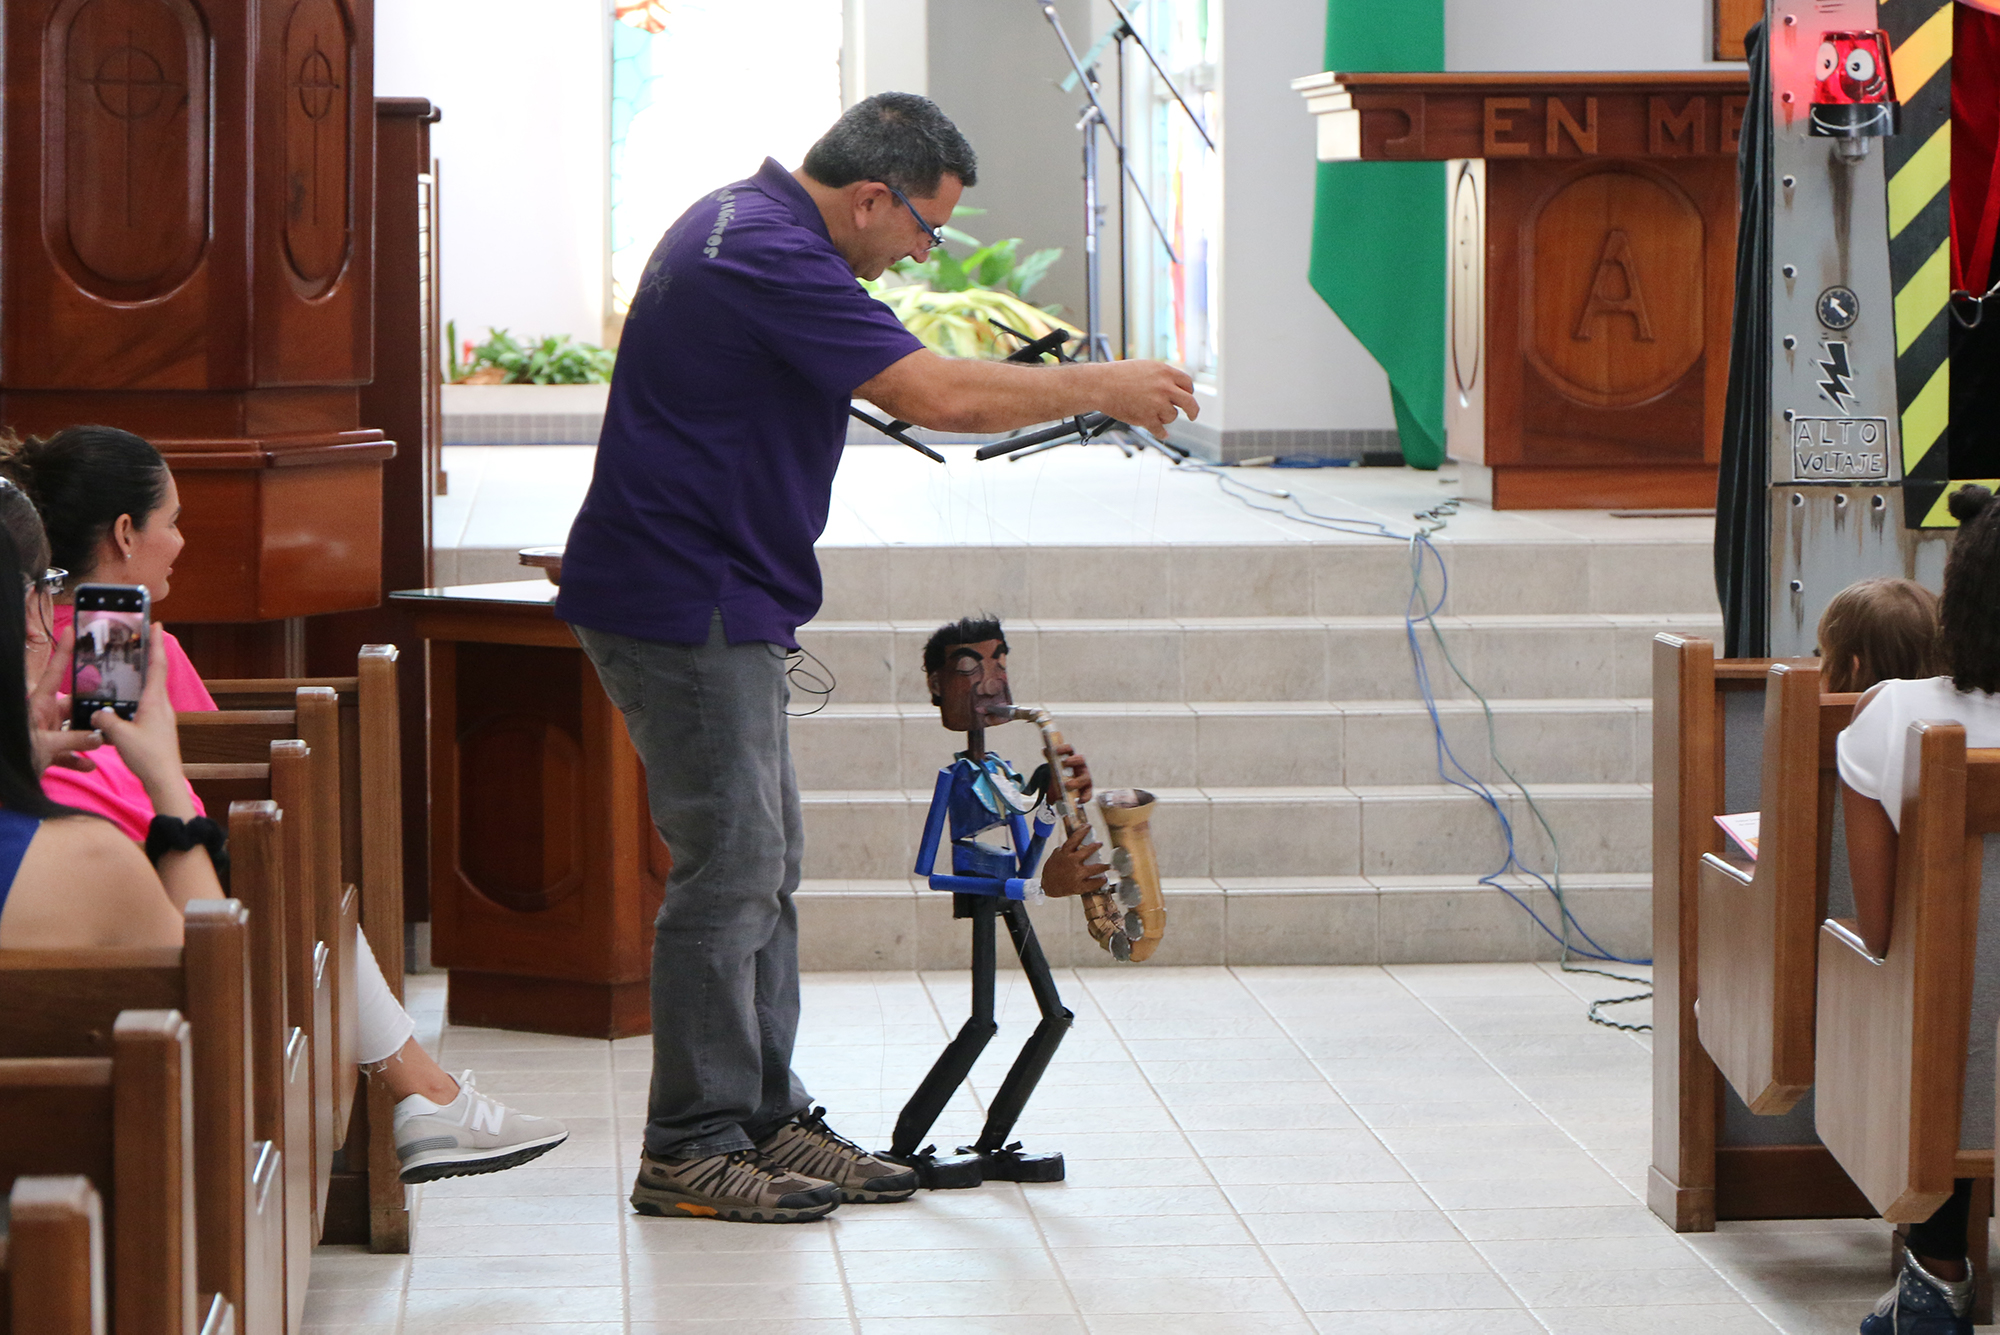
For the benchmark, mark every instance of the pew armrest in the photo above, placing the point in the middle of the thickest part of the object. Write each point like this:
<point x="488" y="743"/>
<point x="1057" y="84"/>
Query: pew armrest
<point x="220" y="1317"/>
<point x="1842" y="930"/>
<point x="1740" y="873"/>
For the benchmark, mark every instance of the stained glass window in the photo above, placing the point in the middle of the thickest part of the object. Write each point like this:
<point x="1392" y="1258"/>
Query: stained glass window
<point x="1174" y="305"/>
<point x="701" y="92"/>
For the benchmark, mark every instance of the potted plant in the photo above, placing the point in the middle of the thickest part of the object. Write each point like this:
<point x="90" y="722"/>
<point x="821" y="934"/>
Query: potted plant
<point x="504" y="360"/>
<point x="951" y="304"/>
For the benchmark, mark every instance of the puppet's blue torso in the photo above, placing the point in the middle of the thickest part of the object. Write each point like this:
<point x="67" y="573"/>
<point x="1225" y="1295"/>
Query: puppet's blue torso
<point x="987" y="810"/>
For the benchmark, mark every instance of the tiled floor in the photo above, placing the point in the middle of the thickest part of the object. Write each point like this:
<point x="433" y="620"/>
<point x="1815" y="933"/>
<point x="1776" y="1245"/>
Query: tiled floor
<point x="1436" y="1148"/>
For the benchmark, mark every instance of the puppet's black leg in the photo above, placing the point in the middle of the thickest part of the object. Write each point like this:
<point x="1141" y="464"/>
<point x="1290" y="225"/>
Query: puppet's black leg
<point x="1004" y="1162"/>
<point x="945" y="1172"/>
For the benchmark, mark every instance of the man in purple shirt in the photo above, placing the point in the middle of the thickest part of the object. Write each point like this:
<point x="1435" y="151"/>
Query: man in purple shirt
<point x="690" y="567"/>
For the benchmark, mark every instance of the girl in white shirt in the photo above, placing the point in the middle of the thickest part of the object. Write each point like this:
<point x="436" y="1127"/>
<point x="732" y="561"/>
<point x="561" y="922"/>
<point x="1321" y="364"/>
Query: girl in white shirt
<point x="1934" y="1292"/>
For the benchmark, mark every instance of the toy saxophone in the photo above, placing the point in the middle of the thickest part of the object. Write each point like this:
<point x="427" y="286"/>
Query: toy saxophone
<point x="1128" y="917"/>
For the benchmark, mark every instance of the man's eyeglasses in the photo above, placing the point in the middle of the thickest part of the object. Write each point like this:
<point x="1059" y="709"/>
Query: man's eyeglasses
<point x="936" y="234"/>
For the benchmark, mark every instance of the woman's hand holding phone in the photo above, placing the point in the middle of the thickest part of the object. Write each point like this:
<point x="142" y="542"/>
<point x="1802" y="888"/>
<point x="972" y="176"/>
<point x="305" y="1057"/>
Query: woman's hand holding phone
<point x="48" y="712"/>
<point x="148" y="742"/>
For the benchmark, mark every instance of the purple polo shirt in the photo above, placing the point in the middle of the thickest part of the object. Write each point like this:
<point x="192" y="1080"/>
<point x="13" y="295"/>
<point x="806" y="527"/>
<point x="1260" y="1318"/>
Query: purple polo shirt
<point x="727" y="416"/>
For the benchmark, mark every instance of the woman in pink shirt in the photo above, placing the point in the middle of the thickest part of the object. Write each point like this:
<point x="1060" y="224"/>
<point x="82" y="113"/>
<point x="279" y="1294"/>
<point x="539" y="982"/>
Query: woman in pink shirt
<point x="110" y="508"/>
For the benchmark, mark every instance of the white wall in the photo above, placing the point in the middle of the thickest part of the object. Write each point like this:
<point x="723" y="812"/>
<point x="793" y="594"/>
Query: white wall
<point x="1287" y="361"/>
<point x="993" y="67"/>
<point x="522" y="148"/>
<point x="1575" y="34"/>
<point x="887" y="48"/>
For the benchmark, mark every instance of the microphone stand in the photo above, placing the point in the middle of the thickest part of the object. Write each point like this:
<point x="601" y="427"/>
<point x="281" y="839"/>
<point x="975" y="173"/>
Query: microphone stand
<point x="1084" y="427"/>
<point x="1097" y="345"/>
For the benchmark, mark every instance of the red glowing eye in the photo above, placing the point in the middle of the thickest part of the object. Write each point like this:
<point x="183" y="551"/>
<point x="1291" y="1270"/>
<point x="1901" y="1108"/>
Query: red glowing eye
<point x="1861" y="64"/>
<point x="1828" y="61"/>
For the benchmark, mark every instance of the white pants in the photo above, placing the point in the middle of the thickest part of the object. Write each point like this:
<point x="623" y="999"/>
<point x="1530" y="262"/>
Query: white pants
<point x="385" y="1025"/>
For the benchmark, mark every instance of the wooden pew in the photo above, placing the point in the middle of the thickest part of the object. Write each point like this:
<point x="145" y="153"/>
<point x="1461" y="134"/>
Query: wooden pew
<point x="371" y="857"/>
<point x="227" y="759"/>
<point x="289" y="780"/>
<point x="239" y="737"/>
<point x="125" y="1123"/>
<point x="1687" y="796"/>
<point x="283" y="1103"/>
<point x="53" y="1263"/>
<point x="370" y="775"/>
<point x="65" y="1003"/>
<point x="1759" y="922"/>
<point x="1892" y="1032"/>
<point x="1698" y="1173"/>
<point x="271" y="847"/>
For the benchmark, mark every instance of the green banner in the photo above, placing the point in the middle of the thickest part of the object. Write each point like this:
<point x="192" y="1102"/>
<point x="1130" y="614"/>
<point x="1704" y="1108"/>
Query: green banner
<point x="1378" y="254"/>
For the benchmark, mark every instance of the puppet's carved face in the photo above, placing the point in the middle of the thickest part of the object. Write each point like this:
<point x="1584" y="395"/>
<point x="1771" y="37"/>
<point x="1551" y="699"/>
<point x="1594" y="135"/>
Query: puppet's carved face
<point x="972" y="684"/>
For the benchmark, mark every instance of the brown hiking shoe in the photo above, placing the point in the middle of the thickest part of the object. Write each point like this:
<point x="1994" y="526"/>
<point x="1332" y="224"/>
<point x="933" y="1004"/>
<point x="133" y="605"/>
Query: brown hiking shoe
<point x="807" y="1145"/>
<point x="738" y="1186"/>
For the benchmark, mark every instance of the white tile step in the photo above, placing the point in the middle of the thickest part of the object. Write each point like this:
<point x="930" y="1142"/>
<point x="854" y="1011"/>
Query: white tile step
<point x="902" y="924"/>
<point x="1246" y="743"/>
<point x="1281" y="578"/>
<point x="1584" y="656"/>
<point x="1406" y="830"/>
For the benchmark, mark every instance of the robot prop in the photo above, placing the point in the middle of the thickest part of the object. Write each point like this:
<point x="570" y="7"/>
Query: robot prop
<point x="999" y="826"/>
<point x="1864" y="310"/>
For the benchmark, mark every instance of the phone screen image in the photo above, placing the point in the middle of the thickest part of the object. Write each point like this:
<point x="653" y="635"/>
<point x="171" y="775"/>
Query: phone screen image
<point x="110" y="664"/>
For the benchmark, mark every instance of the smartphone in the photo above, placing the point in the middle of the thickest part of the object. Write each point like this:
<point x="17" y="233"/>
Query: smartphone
<point x="108" y="670"/>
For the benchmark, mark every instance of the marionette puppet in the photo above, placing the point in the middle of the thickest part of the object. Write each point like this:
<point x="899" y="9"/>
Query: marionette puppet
<point x="999" y="826"/>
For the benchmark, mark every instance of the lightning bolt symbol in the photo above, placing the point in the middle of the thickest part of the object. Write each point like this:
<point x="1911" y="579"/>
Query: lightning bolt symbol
<point x="1837" y="372"/>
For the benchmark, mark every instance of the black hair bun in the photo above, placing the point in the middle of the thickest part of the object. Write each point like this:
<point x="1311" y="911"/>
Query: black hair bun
<point x="1968" y="502"/>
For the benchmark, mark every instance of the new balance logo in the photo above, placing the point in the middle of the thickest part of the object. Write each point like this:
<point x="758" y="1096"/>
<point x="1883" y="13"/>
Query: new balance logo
<point x="487" y="1116"/>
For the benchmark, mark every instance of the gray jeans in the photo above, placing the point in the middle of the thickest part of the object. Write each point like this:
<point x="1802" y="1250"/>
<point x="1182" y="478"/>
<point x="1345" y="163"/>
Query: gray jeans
<point x="709" y="724"/>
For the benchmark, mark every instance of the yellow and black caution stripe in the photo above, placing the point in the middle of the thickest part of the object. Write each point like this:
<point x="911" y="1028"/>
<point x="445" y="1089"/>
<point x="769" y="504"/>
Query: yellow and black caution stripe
<point x="1937" y="516"/>
<point x="1918" y="164"/>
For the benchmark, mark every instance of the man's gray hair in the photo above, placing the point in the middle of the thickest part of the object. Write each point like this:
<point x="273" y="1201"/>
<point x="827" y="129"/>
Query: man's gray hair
<point x="899" y="139"/>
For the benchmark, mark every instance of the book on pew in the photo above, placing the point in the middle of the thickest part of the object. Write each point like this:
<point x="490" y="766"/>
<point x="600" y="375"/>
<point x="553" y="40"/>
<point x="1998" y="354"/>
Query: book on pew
<point x="1742" y="830"/>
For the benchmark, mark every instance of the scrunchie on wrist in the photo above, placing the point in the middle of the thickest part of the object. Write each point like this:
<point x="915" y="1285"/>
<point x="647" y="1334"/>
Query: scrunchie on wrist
<point x="170" y="834"/>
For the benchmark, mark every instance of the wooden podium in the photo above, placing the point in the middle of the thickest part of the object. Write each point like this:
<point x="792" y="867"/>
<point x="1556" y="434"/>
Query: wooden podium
<point x="1592" y="253"/>
<point x="186" y="251"/>
<point x="546" y="871"/>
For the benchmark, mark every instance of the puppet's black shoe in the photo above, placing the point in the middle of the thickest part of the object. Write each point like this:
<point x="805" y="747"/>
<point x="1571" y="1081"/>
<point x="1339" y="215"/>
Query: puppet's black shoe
<point x="941" y="1172"/>
<point x="1920" y="1304"/>
<point x="1014" y="1164"/>
<point x="807" y="1145"/>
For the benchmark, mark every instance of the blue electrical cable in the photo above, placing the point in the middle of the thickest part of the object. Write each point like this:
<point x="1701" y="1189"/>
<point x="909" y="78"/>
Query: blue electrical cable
<point x="1466" y="779"/>
<point x="1421" y="610"/>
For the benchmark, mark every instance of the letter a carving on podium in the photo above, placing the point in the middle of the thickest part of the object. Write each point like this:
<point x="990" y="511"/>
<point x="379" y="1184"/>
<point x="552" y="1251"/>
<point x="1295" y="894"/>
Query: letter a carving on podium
<point x="1603" y="299"/>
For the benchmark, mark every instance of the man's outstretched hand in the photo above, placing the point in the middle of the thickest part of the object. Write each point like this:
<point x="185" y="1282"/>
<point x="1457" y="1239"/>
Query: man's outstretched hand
<point x="1147" y="394"/>
<point x="1069" y="870"/>
<point x="965" y="394"/>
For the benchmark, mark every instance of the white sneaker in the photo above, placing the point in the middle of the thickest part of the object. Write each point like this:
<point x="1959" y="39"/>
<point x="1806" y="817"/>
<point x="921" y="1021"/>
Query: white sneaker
<point x="471" y="1134"/>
